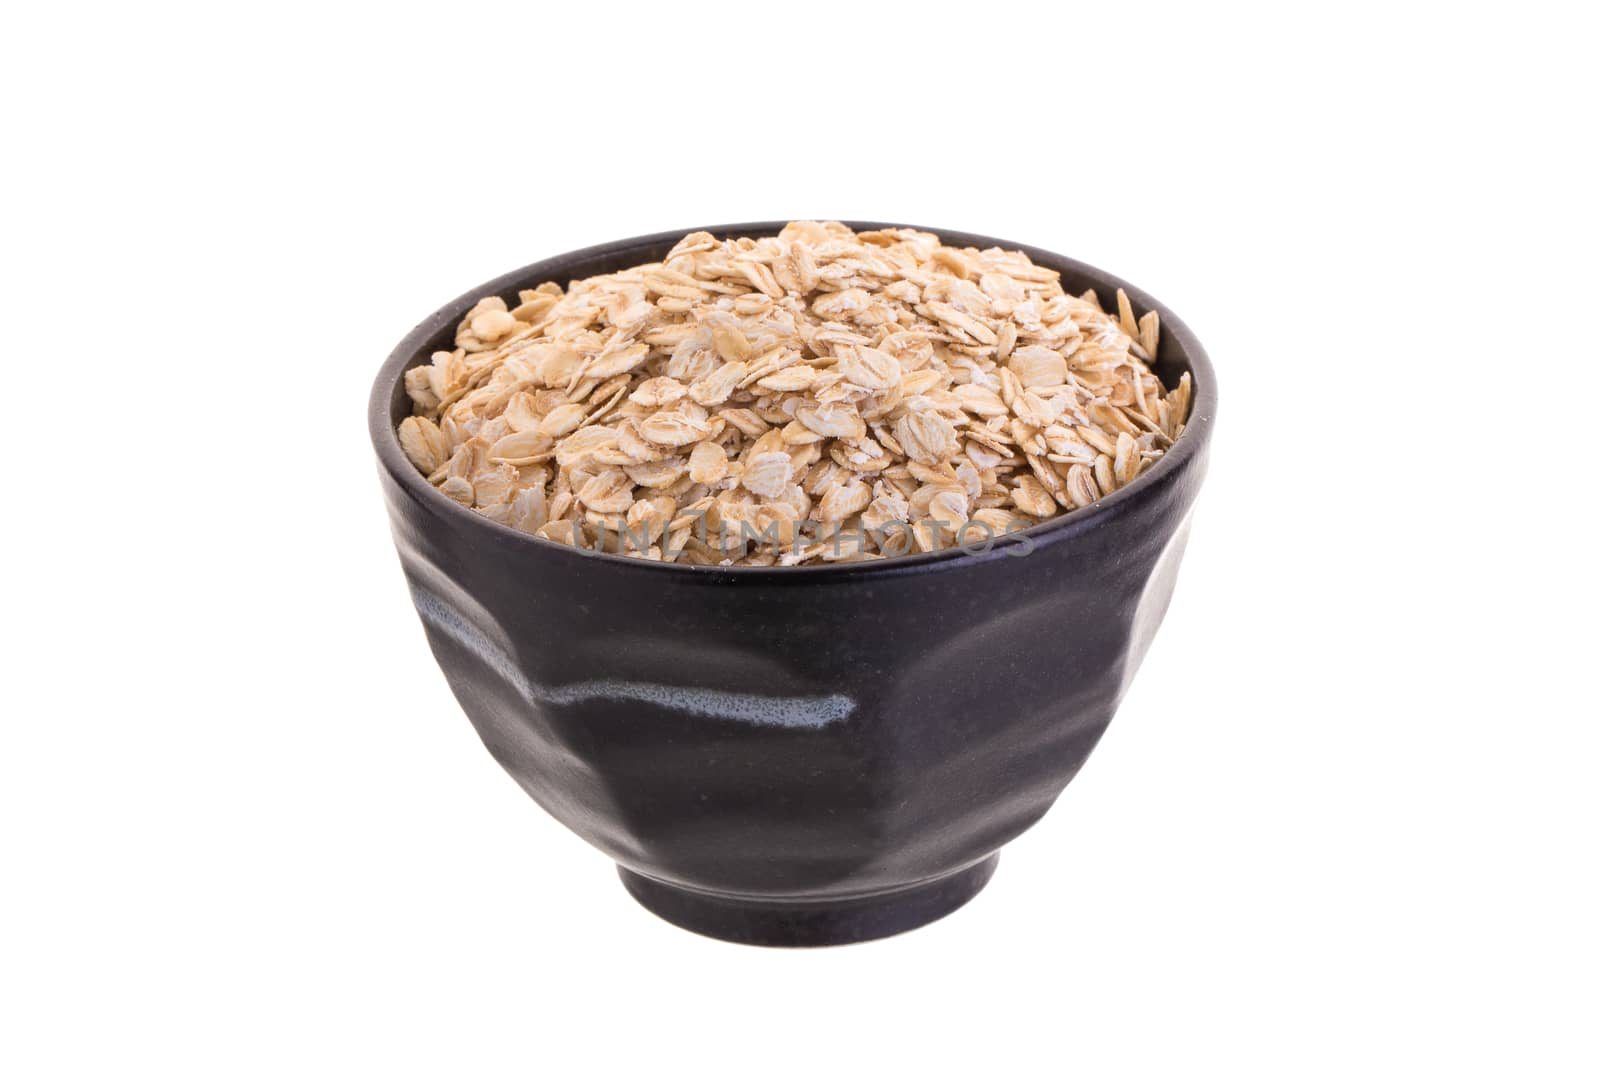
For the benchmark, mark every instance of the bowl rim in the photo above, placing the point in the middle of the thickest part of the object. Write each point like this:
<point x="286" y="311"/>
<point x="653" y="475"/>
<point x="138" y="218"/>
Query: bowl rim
<point x="1171" y="465"/>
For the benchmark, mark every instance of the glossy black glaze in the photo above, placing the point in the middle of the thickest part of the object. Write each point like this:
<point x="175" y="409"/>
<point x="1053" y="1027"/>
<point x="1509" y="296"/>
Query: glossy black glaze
<point x="794" y="756"/>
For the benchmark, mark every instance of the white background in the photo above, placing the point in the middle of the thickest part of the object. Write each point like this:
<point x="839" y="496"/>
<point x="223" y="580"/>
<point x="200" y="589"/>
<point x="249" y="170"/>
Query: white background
<point x="1347" y="812"/>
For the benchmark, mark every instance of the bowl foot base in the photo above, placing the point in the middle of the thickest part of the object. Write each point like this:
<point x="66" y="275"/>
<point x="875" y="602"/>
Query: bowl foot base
<point x="812" y="923"/>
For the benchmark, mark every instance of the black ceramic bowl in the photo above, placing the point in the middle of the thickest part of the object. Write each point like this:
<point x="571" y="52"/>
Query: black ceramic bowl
<point x="799" y="756"/>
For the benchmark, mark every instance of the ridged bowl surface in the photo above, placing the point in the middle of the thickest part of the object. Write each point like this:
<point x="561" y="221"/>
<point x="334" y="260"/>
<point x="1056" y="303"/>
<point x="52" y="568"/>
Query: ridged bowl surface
<point x="807" y="755"/>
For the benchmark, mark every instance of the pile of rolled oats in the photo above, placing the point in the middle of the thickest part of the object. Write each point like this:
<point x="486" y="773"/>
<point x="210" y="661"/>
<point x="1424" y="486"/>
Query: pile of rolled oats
<point x="818" y="396"/>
